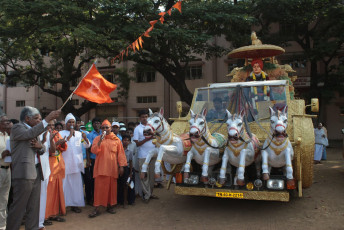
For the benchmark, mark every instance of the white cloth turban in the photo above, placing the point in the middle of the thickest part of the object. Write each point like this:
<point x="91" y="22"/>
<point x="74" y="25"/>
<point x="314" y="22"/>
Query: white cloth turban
<point x="69" y="117"/>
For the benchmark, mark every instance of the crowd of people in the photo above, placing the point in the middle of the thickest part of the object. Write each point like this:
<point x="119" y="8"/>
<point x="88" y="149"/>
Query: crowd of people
<point x="49" y="165"/>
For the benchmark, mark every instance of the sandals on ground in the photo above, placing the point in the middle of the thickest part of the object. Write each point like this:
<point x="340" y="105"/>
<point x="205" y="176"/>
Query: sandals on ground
<point x="57" y="218"/>
<point x="111" y="210"/>
<point x="47" y="222"/>
<point x="154" y="197"/>
<point x="76" y="209"/>
<point x="95" y="213"/>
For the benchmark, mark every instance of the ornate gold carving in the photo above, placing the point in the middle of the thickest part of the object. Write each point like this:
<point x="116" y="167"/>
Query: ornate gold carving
<point x="235" y="150"/>
<point x="279" y="150"/>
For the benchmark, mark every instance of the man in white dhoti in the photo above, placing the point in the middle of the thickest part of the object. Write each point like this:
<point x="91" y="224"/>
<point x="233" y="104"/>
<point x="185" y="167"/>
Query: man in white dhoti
<point x="320" y="143"/>
<point x="44" y="159"/>
<point x="73" y="157"/>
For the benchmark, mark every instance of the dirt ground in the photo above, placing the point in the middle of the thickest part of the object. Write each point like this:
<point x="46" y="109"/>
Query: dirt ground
<point x="321" y="207"/>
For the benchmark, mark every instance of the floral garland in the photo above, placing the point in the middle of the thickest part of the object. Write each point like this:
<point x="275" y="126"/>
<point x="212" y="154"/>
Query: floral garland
<point x="264" y="79"/>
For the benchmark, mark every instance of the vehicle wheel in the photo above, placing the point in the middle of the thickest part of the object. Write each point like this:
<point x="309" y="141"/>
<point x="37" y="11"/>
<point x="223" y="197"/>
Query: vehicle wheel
<point x="307" y="152"/>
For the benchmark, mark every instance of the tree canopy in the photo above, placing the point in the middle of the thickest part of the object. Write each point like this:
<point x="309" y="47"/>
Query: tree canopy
<point x="317" y="27"/>
<point x="51" y="42"/>
<point x="74" y="32"/>
<point x="177" y="42"/>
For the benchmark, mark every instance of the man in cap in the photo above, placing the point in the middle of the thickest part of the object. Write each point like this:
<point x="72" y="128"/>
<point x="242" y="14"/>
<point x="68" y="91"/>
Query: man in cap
<point x="115" y="129"/>
<point x="26" y="149"/>
<point x="72" y="183"/>
<point x="122" y="131"/>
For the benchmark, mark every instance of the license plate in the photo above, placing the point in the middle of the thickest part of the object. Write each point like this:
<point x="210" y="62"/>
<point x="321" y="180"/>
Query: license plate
<point x="229" y="195"/>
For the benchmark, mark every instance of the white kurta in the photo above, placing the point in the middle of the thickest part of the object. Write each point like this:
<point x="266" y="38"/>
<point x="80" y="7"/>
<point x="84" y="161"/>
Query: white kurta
<point x="45" y="158"/>
<point x="73" y="158"/>
<point x="320" y="142"/>
<point x="44" y="184"/>
<point x="318" y="151"/>
<point x="73" y="155"/>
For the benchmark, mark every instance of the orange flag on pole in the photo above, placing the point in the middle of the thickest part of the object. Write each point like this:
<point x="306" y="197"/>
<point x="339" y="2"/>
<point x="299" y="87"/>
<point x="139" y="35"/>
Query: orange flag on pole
<point x="94" y="87"/>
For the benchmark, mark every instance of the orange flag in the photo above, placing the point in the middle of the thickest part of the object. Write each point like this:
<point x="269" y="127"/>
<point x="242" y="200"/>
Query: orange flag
<point x="153" y="22"/>
<point x="162" y="19"/>
<point x="140" y="41"/>
<point x="178" y="6"/>
<point x="95" y="88"/>
<point x="137" y="45"/>
<point x="148" y="31"/>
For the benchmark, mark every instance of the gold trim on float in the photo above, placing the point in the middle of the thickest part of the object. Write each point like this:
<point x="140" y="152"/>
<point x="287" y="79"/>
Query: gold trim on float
<point x="233" y="194"/>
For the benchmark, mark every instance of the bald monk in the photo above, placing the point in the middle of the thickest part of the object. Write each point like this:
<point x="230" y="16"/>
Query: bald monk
<point x="109" y="155"/>
<point x="55" y="196"/>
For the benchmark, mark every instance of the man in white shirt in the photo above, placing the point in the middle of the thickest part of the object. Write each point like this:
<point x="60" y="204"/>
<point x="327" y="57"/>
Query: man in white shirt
<point x="72" y="183"/>
<point x="145" y="145"/>
<point x="5" y="172"/>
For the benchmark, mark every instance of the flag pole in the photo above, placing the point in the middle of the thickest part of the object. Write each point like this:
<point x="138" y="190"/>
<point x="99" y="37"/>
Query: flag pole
<point x="71" y="95"/>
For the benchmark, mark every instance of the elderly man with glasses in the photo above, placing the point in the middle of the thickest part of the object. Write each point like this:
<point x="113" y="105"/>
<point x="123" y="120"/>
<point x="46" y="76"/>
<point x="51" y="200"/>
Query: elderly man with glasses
<point x="26" y="149"/>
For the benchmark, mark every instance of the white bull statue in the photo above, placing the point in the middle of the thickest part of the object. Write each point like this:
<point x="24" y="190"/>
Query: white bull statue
<point x="241" y="151"/>
<point x="277" y="149"/>
<point x="171" y="148"/>
<point x="205" y="146"/>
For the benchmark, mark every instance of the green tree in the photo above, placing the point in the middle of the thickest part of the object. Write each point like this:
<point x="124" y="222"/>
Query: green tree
<point x="177" y="42"/>
<point x="74" y="32"/>
<point x="52" y="41"/>
<point x="317" y="27"/>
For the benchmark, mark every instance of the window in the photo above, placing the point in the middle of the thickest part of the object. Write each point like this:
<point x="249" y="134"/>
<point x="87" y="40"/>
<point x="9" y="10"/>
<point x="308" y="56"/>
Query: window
<point x="231" y="66"/>
<point x="341" y="61"/>
<point x="114" y="99"/>
<point x="75" y="101"/>
<point x="11" y="79"/>
<point x="110" y="77"/>
<point x="286" y="29"/>
<point x="299" y="63"/>
<point x="147" y="99"/>
<point x="145" y="76"/>
<point x="20" y="103"/>
<point x="194" y="72"/>
<point x="74" y="82"/>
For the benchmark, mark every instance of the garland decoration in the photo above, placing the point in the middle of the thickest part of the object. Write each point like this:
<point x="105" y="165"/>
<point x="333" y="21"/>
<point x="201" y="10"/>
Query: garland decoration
<point x="264" y="79"/>
<point x="137" y="44"/>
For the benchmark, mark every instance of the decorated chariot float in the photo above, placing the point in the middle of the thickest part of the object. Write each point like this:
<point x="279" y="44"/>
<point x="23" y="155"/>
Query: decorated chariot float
<point x="246" y="139"/>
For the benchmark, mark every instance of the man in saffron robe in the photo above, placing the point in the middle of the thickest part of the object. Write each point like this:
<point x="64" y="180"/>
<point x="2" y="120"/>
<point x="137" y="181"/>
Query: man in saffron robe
<point x="55" y="196"/>
<point x="110" y="154"/>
